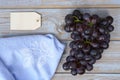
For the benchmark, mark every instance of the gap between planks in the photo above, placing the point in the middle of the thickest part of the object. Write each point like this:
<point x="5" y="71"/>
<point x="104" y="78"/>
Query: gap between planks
<point x="61" y="7"/>
<point x="87" y="77"/>
<point x="58" y="3"/>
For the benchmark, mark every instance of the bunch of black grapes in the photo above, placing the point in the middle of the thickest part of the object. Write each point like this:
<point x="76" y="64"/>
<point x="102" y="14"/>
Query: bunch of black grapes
<point x="91" y="35"/>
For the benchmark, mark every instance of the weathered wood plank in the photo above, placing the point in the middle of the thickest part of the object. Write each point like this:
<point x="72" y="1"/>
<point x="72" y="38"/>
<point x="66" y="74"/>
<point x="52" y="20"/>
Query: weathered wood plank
<point x="53" y="21"/>
<point x="109" y="63"/>
<point x="81" y="3"/>
<point x="19" y="3"/>
<point x="58" y="3"/>
<point x="101" y="66"/>
<point x="112" y="53"/>
<point x="87" y="77"/>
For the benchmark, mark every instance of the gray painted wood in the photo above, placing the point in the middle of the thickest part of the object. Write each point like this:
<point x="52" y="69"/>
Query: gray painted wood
<point x="109" y="63"/>
<point x="58" y="3"/>
<point x="87" y="77"/>
<point x="53" y="21"/>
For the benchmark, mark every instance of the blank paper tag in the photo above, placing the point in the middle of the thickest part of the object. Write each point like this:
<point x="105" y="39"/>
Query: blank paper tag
<point x="25" y="21"/>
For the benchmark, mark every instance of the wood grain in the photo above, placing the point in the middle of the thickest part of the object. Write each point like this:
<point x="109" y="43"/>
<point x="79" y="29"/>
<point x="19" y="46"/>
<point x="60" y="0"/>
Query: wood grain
<point x="53" y="13"/>
<point x="109" y="63"/>
<point x="58" y="3"/>
<point x="87" y="77"/>
<point x="53" y="21"/>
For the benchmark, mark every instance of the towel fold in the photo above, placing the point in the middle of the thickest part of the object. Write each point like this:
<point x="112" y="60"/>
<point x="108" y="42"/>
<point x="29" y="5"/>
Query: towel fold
<point x="34" y="57"/>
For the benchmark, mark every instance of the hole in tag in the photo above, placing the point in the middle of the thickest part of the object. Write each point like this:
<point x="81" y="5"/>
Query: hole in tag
<point x="37" y="20"/>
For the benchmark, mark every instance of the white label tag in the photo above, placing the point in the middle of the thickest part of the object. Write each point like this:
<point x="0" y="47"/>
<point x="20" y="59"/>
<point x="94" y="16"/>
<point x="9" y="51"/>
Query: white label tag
<point x="25" y="21"/>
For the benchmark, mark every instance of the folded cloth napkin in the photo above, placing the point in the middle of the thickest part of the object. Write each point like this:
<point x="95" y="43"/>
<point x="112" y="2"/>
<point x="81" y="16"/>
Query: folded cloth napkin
<point x="34" y="57"/>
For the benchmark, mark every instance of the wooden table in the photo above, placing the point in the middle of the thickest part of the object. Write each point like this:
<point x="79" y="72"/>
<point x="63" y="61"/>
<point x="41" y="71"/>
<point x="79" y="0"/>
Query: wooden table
<point x="53" y="13"/>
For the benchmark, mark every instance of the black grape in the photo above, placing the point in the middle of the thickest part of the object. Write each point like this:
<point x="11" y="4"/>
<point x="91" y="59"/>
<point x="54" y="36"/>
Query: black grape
<point x="90" y="36"/>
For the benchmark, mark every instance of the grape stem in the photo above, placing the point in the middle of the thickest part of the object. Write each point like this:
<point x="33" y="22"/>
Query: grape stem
<point x="78" y="20"/>
<point x="87" y="42"/>
<point x="90" y="24"/>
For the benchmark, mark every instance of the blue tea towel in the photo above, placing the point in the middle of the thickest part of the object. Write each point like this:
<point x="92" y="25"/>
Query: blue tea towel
<point x="32" y="57"/>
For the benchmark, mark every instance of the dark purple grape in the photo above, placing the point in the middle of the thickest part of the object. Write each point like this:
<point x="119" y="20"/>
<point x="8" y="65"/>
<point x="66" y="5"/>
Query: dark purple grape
<point x="66" y="66"/>
<point x="106" y="32"/>
<point x="73" y="72"/>
<point x="104" y="45"/>
<point x="88" y="31"/>
<point x="89" y="67"/>
<point x="78" y="37"/>
<point x="110" y="28"/>
<point x="75" y="35"/>
<point x="83" y="62"/>
<point x="87" y="37"/>
<point x="95" y="19"/>
<point x="94" y="44"/>
<point x="80" y="45"/>
<point x="79" y="55"/>
<point x="92" y="38"/>
<point x="77" y="14"/>
<point x="88" y="57"/>
<point x="67" y="28"/>
<point x="92" y="61"/>
<point x="73" y="65"/>
<point x="100" y="51"/>
<point x="81" y="66"/>
<point x="107" y="35"/>
<point x="101" y="30"/>
<point x="95" y="34"/>
<point x="86" y="17"/>
<point x="80" y="71"/>
<point x="79" y="27"/>
<point x="93" y="52"/>
<point x="102" y="38"/>
<point x="107" y="40"/>
<point x="98" y="56"/>
<point x="104" y="22"/>
<point x="109" y="19"/>
<point x="73" y="52"/>
<point x="69" y="19"/>
<point x="72" y="27"/>
<point x="71" y="44"/>
<point x="75" y="46"/>
<point x="86" y="48"/>
<point x="70" y="58"/>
